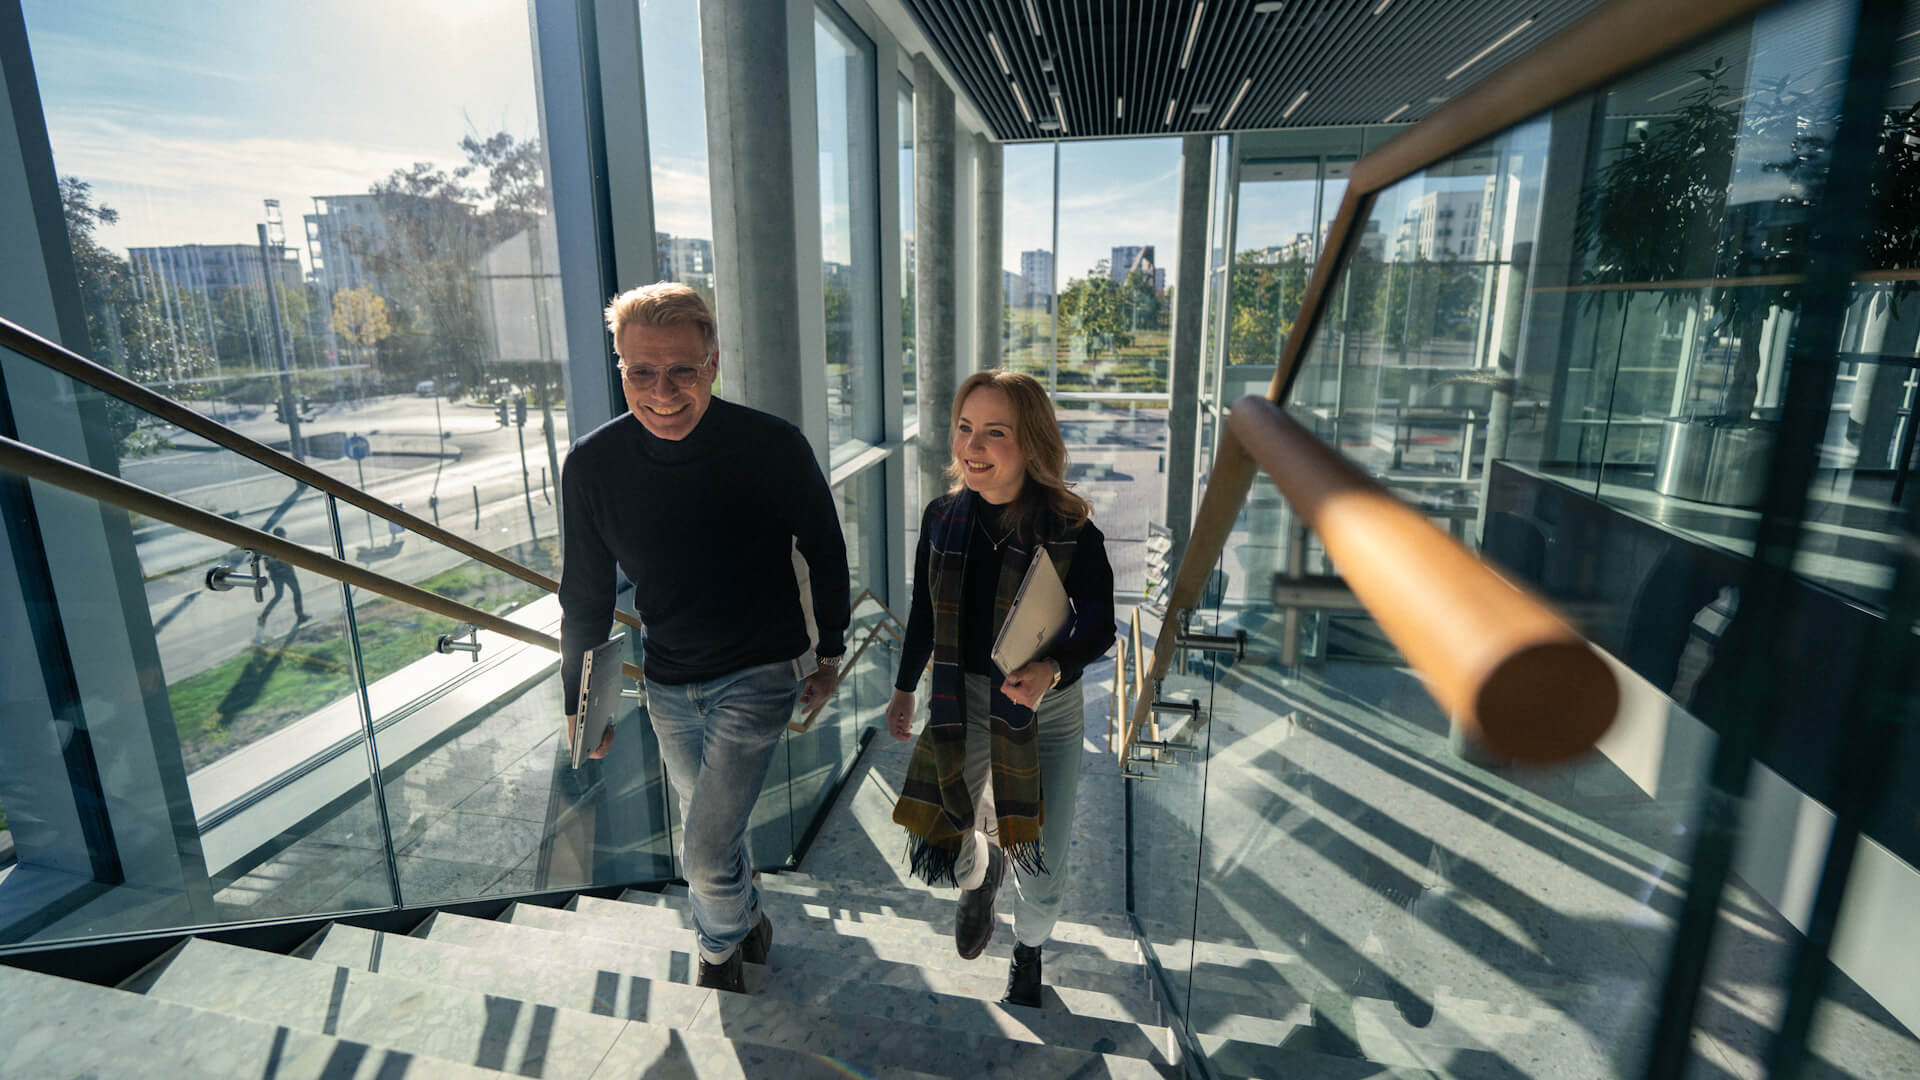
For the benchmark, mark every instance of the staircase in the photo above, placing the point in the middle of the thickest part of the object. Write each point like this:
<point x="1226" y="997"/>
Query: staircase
<point x="862" y="981"/>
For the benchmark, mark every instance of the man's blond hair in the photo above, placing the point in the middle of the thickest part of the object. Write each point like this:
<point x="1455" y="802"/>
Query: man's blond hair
<point x="663" y="303"/>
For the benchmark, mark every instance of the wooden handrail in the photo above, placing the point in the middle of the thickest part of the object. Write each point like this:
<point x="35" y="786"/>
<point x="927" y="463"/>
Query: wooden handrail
<point x="52" y="355"/>
<point x="37" y="464"/>
<point x="1503" y="665"/>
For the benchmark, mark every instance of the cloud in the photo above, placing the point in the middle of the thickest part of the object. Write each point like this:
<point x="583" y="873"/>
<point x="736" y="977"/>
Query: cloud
<point x="682" y="198"/>
<point x="189" y="188"/>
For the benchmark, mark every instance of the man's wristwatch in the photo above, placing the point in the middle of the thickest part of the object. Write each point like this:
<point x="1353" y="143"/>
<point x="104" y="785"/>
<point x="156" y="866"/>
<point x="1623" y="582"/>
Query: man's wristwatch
<point x="1058" y="673"/>
<point x="831" y="663"/>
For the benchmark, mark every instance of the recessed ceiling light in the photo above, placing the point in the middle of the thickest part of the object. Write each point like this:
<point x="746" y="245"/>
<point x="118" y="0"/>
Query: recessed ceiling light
<point x="1381" y="6"/>
<point x="1245" y="85"/>
<point x="1397" y="112"/>
<point x="1296" y="104"/>
<point x="1497" y="42"/>
<point x="1169" y="118"/>
<point x="1119" y="108"/>
<point x="1193" y="31"/>
<point x="1033" y="19"/>
<point x="1059" y="110"/>
<point x="993" y="42"/>
<point x="1021" y="99"/>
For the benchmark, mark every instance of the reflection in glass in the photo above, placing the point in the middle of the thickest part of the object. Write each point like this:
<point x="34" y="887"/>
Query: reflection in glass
<point x="844" y="81"/>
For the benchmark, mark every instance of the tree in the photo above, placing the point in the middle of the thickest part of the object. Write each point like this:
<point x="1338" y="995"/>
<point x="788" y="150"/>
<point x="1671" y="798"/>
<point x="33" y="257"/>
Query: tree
<point x="360" y="319"/>
<point x="126" y="331"/>
<point x="437" y="225"/>
<point x="1092" y="309"/>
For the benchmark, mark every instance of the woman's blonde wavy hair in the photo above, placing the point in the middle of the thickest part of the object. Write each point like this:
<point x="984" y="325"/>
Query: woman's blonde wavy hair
<point x="1037" y="433"/>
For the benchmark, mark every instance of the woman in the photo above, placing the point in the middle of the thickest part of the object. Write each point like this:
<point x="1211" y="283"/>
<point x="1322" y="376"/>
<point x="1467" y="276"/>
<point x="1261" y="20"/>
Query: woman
<point x="1023" y="728"/>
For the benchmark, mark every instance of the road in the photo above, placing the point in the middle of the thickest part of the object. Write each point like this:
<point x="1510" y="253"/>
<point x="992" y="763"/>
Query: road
<point x="477" y="478"/>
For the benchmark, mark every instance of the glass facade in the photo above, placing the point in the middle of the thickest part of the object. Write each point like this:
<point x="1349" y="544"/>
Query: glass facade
<point x="1027" y="246"/>
<point x="849" y="232"/>
<point x="1119" y="201"/>
<point x="1571" y="347"/>
<point x="227" y="758"/>
<point x="903" y="116"/>
<point x="677" y="144"/>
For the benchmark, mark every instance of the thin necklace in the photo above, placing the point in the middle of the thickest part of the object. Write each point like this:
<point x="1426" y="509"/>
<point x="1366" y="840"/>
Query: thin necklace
<point x="1003" y="539"/>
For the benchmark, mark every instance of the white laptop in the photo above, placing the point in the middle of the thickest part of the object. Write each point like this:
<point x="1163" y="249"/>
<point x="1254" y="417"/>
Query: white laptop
<point x="1039" y="614"/>
<point x="599" y="704"/>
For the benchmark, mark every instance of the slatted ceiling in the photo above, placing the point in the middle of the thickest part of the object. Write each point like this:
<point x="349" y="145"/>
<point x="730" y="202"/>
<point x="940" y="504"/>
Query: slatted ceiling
<point x="1356" y="67"/>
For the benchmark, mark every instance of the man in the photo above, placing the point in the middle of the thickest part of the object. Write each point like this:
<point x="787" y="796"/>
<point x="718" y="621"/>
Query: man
<point x="283" y="579"/>
<point x="701" y="502"/>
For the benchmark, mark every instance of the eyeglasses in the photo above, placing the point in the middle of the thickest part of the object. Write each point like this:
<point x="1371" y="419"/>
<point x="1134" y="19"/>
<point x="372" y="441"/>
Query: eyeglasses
<point x="643" y="376"/>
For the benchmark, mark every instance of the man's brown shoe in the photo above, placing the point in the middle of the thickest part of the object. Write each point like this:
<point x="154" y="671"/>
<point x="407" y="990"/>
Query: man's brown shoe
<point x="758" y="942"/>
<point x="728" y="974"/>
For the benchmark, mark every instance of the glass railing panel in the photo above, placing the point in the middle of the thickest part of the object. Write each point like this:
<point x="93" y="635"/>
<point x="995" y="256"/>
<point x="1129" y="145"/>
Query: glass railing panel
<point x="818" y="757"/>
<point x="1116" y="453"/>
<point x="174" y="783"/>
<point x="481" y="795"/>
<point x="1443" y="909"/>
<point x="1165" y="823"/>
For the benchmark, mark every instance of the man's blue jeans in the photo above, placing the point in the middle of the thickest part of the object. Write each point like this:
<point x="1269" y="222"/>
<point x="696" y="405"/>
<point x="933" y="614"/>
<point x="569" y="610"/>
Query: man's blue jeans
<point x="718" y="738"/>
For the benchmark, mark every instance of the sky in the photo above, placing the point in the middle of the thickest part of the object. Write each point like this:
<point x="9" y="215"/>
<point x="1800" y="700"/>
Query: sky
<point x="1113" y="193"/>
<point x="184" y="117"/>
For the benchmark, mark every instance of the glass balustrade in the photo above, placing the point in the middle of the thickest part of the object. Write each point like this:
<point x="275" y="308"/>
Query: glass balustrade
<point x="213" y="758"/>
<point x="1580" y="374"/>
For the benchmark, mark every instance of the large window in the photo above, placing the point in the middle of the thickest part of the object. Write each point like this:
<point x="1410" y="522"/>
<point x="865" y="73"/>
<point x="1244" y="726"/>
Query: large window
<point x="366" y="276"/>
<point x="1118" y="208"/>
<point x="677" y="143"/>
<point x="904" y="112"/>
<point x="1026" y="253"/>
<point x="849" y="231"/>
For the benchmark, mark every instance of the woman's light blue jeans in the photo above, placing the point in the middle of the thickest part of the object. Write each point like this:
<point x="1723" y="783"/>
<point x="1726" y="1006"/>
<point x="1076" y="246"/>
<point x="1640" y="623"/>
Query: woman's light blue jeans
<point x="718" y="739"/>
<point x="1062" y="719"/>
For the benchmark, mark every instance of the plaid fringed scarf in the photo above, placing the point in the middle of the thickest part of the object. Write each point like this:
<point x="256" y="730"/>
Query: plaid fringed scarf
<point x="934" y="804"/>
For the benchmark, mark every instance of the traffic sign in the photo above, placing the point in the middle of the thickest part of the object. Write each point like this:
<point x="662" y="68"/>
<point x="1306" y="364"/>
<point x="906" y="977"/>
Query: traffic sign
<point x="357" y="447"/>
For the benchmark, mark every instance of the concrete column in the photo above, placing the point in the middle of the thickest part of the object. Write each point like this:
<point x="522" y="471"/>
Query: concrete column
<point x="1189" y="315"/>
<point x="937" y="297"/>
<point x="989" y="293"/>
<point x="766" y="232"/>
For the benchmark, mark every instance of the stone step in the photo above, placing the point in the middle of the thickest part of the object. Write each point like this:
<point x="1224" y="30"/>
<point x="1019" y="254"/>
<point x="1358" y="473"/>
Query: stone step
<point x="64" y="1029"/>
<point x="902" y="942"/>
<point x="1233" y="1059"/>
<point x="581" y="975"/>
<point x="491" y="1031"/>
<point x="797" y="974"/>
<point x="1454" y="1036"/>
<point x="807" y="916"/>
<point x="886" y="960"/>
<point x="911" y="900"/>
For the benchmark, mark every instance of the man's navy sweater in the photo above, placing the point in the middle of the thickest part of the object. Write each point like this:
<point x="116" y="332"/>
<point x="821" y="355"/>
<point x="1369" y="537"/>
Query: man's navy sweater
<point x="705" y="529"/>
